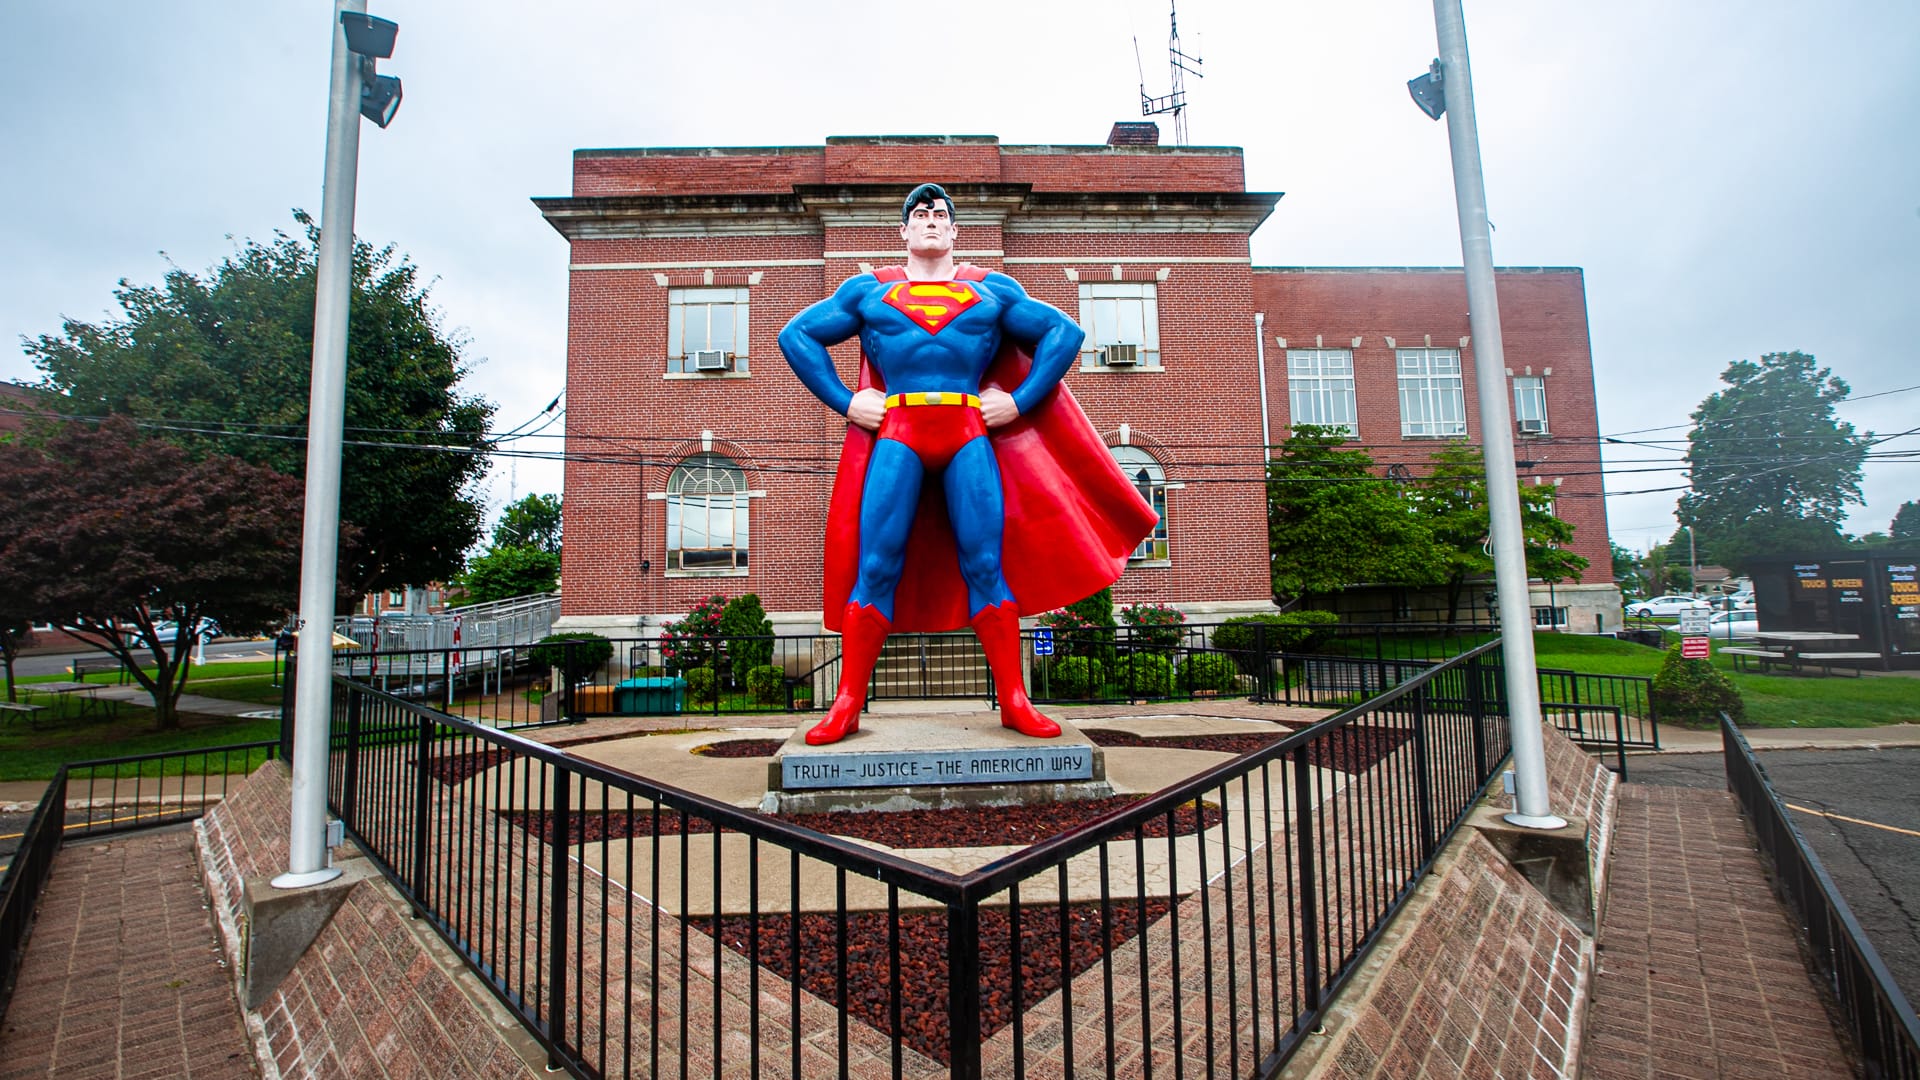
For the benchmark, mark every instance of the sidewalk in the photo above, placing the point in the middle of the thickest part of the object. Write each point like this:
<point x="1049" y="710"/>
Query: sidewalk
<point x="125" y="976"/>
<point x="1679" y="740"/>
<point x="1699" y="971"/>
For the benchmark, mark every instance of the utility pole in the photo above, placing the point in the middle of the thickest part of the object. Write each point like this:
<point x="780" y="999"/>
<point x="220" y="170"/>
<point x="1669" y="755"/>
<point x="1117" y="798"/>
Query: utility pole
<point x="1532" y="808"/>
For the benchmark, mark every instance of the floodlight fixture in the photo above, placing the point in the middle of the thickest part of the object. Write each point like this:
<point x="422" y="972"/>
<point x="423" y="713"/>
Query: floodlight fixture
<point x="379" y="98"/>
<point x="1428" y="93"/>
<point x="368" y="36"/>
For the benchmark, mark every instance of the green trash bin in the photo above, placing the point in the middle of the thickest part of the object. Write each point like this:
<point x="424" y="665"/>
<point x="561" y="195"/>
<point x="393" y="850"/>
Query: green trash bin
<point x="650" y="697"/>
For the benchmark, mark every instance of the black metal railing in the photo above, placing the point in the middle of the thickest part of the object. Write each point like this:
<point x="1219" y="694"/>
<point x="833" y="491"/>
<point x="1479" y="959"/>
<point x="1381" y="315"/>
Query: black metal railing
<point x="501" y="686"/>
<point x="637" y="928"/>
<point x="109" y="795"/>
<point x="1885" y="1034"/>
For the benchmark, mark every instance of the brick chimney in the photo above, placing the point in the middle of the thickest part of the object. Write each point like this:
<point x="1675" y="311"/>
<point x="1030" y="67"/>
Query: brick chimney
<point x="1134" y="133"/>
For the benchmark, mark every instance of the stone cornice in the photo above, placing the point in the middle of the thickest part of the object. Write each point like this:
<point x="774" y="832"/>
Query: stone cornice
<point x="809" y="210"/>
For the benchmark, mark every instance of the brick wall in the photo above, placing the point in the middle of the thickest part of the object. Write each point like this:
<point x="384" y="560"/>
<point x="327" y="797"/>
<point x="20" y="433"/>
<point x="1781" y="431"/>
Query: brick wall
<point x="1178" y="216"/>
<point x="1543" y="317"/>
<point x="369" y="998"/>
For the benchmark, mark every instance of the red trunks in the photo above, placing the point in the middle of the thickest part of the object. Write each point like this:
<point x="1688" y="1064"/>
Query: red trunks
<point x="934" y="432"/>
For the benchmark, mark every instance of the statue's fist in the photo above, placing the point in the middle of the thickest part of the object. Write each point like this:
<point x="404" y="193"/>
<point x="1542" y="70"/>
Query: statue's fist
<point x="997" y="408"/>
<point x="867" y="408"/>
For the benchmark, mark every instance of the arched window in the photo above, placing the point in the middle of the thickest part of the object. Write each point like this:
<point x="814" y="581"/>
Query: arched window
<point x="1150" y="480"/>
<point x="707" y="514"/>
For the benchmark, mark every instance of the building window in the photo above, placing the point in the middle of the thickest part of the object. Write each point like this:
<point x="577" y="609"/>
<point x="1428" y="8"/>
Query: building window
<point x="1549" y="618"/>
<point x="1530" y="404"/>
<point x="1150" y="480"/>
<point x="1320" y="388"/>
<point x="1433" y="400"/>
<point x="1122" y="321"/>
<point x="396" y="598"/>
<point x="707" y="515"/>
<point x="706" y="331"/>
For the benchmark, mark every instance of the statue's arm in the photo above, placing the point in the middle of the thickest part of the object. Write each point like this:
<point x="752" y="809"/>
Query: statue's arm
<point x="805" y="341"/>
<point x="1047" y="332"/>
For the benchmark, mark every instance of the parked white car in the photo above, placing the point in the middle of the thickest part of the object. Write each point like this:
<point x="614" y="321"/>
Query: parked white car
<point x="1727" y="625"/>
<point x="165" y="630"/>
<point x="1671" y="604"/>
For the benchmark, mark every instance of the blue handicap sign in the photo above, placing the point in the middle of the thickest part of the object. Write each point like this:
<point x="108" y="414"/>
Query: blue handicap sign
<point x="1043" y="641"/>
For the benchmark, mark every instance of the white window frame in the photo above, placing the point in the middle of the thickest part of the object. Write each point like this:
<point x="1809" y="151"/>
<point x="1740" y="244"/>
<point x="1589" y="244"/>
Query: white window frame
<point x="1433" y="395"/>
<point x="1530" y="403"/>
<point x="1320" y="389"/>
<point x="693" y="308"/>
<point x="1120" y="313"/>
<point x="1550" y="618"/>
<point x="703" y="486"/>
<point x="1149" y="478"/>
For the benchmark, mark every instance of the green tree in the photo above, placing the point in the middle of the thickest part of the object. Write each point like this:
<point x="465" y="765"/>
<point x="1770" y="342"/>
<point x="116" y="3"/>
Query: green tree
<point x="109" y="532"/>
<point x="502" y="573"/>
<point x="1906" y="522"/>
<point x="1626" y="569"/>
<point x="532" y="522"/>
<point x="224" y="361"/>
<point x="1332" y="523"/>
<point x="1773" y="470"/>
<point x="1453" y="499"/>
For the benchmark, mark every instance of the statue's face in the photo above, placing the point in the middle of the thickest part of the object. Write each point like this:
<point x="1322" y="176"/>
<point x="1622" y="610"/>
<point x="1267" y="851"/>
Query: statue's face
<point x="929" y="229"/>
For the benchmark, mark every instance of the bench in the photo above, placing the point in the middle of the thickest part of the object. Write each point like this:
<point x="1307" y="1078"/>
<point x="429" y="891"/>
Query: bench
<point x="1827" y="660"/>
<point x="31" y="712"/>
<point x="1764" y="658"/>
<point x="87" y="666"/>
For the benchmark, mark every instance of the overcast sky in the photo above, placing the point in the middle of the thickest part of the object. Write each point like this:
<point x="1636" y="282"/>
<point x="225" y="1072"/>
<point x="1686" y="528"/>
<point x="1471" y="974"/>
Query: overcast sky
<point x="1734" y="177"/>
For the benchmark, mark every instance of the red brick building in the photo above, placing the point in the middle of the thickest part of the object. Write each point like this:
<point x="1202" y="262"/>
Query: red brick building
<point x="700" y="464"/>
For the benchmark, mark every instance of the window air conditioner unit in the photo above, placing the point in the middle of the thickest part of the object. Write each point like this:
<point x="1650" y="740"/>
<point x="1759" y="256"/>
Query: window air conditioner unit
<point x="1533" y="427"/>
<point x="1120" y="355"/>
<point x="710" y="360"/>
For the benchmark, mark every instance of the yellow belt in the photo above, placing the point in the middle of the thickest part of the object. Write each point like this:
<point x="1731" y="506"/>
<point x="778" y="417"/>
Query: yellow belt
<point x="934" y="397"/>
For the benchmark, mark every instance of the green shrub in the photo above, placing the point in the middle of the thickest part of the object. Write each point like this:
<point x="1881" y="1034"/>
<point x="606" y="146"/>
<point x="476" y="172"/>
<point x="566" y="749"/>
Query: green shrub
<point x="1084" y="627"/>
<point x="588" y="652"/>
<point x="767" y="684"/>
<point x="693" y="641"/>
<point x="1693" y="693"/>
<point x="1210" y="671"/>
<point x="1287" y="631"/>
<point x="1075" y="676"/>
<point x="700" y="685"/>
<point x="1146" y="675"/>
<point x="748" y="631"/>
<point x="1155" y="627"/>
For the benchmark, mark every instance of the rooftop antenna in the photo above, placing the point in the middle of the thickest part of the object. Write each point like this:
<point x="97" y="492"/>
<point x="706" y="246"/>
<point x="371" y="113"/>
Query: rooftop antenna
<point x="1175" y="101"/>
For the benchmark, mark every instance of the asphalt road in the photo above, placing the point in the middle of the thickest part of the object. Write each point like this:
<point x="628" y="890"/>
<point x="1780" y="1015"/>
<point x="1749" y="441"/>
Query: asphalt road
<point x="1874" y="859"/>
<point x="54" y="663"/>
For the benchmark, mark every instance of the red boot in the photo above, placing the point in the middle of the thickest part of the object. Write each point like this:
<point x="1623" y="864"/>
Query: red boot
<point x="862" y="631"/>
<point x="998" y="628"/>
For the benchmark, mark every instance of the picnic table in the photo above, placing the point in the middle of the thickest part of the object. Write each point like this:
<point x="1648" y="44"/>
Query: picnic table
<point x="1799" y="648"/>
<point x="87" y="693"/>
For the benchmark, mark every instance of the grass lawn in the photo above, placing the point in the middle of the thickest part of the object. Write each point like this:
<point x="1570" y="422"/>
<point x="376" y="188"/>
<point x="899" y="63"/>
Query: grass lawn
<point x="1775" y="700"/>
<point x="35" y="751"/>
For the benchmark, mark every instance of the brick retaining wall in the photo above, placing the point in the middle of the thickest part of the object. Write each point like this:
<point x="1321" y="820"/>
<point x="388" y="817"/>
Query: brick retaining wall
<point x="373" y="996"/>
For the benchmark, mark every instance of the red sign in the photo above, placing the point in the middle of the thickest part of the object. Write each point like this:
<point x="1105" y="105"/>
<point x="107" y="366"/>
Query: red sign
<point x="1693" y="648"/>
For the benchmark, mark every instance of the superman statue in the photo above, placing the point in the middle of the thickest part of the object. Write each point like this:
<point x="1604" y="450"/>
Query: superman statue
<point x="962" y="446"/>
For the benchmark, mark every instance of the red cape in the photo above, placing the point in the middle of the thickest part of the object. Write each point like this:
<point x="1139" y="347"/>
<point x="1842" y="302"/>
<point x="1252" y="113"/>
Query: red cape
<point x="1072" y="517"/>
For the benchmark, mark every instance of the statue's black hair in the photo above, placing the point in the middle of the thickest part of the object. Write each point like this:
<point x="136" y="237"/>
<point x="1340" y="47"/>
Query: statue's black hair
<point x="925" y="195"/>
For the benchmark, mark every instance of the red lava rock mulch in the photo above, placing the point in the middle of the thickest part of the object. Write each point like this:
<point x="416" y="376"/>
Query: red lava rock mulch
<point x="922" y="979"/>
<point x="959" y="828"/>
<point x="741" y="748"/>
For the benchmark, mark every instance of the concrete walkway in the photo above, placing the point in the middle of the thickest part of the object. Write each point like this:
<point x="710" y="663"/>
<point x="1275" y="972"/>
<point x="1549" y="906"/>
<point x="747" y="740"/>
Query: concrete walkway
<point x="125" y="977"/>
<point x="1700" y="973"/>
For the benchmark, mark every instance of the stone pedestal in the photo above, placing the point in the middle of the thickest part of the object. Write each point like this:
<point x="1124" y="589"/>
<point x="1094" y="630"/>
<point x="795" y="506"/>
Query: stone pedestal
<point x="933" y="762"/>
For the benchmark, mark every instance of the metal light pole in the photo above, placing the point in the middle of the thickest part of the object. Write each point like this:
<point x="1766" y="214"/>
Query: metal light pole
<point x="1693" y="564"/>
<point x="320" y="531"/>
<point x="1531" y="805"/>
